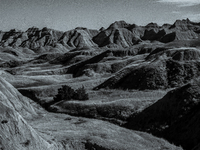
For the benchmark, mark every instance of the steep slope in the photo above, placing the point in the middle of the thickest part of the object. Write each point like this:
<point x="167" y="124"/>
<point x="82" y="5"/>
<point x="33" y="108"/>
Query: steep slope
<point x="174" y="117"/>
<point x="10" y="97"/>
<point x="15" y="133"/>
<point x="185" y="25"/>
<point x="78" y="38"/>
<point x="116" y="35"/>
<point x="40" y="38"/>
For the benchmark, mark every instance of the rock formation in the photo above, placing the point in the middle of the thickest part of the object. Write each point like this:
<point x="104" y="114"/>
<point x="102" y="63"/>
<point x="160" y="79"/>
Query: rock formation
<point x="146" y="61"/>
<point x="118" y="35"/>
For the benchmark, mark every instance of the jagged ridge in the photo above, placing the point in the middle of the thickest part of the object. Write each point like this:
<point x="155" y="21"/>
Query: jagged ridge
<point x="118" y="34"/>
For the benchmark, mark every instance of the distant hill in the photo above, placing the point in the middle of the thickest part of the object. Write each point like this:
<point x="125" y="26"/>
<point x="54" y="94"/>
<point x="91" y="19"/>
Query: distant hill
<point x="118" y="35"/>
<point x="163" y="68"/>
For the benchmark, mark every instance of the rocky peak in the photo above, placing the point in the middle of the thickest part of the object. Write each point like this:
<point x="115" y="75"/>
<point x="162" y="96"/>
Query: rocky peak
<point x="184" y="21"/>
<point x="166" y="25"/>
<point x="101" y="29"/>
<point x="32" y="29"/>
<point x="119" y="24"/>
<point x="188" y="20"/>
<point x="80" y="28"/>
<point x="133" y="26"/>
<point x="46" y="31"/>
<point x="13" y="31"/>
<point x="182" y="24"/>
<point x="152" y="25"/>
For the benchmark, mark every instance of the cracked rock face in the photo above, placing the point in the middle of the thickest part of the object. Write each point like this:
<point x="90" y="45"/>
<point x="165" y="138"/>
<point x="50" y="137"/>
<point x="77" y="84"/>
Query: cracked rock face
<point x="10" y="97"/>
<point x="16" y="134"/>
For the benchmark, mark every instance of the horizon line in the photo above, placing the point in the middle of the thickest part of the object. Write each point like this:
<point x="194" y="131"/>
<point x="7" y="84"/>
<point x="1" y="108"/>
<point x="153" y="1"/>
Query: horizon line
<point x="159" y="24"/>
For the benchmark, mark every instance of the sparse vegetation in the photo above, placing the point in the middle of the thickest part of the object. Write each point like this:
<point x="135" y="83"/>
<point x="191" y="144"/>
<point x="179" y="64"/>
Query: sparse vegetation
<point x="67" y="93"/>
<point x="26" y="143"/>
<point x="4" y="121"/>
<point x="64" y="93"/>
<point x="80" y="94"/>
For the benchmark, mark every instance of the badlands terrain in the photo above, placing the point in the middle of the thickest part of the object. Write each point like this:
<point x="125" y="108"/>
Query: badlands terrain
<point x="143" y="84"/>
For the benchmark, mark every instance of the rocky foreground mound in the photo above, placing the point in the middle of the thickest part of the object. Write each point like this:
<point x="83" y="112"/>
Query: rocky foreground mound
<point x="15" y="132"/>
<point x="11" y="98"/>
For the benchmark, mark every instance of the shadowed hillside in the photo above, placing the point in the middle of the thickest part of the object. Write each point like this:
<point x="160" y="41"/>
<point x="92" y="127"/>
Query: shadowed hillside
<point x="173" y="117"/>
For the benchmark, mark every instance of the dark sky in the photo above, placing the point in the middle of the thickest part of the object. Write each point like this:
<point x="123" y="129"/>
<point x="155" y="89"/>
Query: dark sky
<point x="67" y="14"/>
